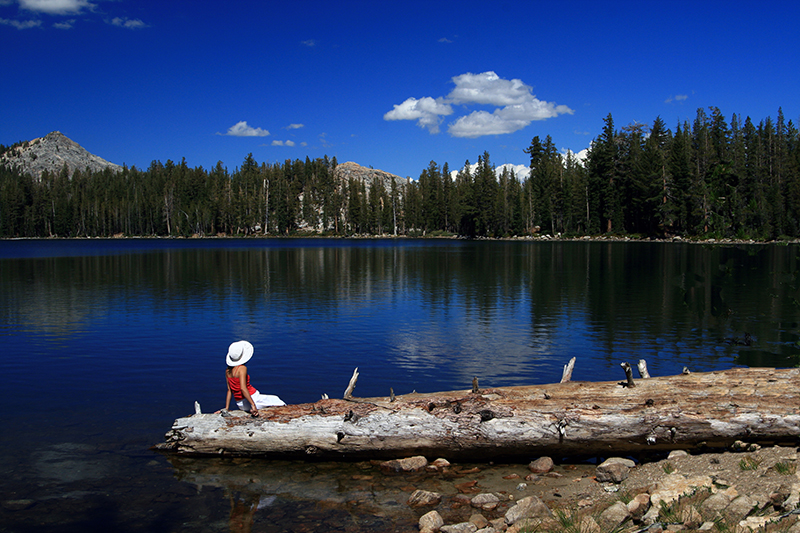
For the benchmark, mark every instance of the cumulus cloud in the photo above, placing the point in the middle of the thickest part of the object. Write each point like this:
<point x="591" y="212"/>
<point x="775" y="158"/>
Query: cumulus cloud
<point x="516" y="107"/>
<point x="125" y="22"/>
<point x="241" y="129"/>
<point x="282" y="143"/>
<point x="580" y="157"/>
<point x="426" y="111"/>
<point x="295" y="126"/>
<point x="55" y="7"/>
<point x="522" y="171"/>
<point x="488" y="88"/>
<point x="506" y="119"/>
<point x="21" y="24"/>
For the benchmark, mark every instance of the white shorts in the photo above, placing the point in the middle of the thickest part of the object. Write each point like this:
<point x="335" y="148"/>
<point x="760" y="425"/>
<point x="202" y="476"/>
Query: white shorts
<point x="262" y="400"/>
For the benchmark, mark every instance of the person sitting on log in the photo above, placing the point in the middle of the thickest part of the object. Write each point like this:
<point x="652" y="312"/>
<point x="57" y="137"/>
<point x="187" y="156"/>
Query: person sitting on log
<point x="238" y="381"/>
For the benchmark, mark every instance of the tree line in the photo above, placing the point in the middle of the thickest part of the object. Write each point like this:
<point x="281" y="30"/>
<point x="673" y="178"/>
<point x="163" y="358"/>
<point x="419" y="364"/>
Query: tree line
<point x="708" y="178"/>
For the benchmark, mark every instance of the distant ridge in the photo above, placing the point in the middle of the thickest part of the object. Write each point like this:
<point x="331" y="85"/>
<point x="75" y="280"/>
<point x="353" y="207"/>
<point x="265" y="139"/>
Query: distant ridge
<point x="50" y="153"/>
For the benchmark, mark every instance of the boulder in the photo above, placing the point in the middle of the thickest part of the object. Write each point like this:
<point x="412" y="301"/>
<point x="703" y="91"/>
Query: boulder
<point x="615" y="472"/>
<point x="639" y="505"/>
<point x="409" y="464"/>
<point x="479" y="520"/>
<point x="672" y="487"/>
<point x="614" y="516"/>
<point x="528" y="507"/>
<point x="485" y="501"/>
<point x="430" y="522"/>
<point x="542" y="465"/>
<point x="740" y="507"/>
<point x="463" y="527"/>
<point x="675" y="454"/>
<point x="716" y="503"/>
<point x="423" y="498"/>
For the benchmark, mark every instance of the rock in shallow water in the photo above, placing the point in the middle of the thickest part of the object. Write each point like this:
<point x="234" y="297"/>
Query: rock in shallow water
<point x="18" y="505"/>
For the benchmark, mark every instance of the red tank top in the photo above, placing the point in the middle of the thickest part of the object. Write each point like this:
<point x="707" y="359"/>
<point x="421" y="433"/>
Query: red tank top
<point x="233" y="383"/>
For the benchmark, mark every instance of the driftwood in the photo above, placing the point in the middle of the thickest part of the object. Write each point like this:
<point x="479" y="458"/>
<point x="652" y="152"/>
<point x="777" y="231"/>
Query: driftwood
<point x="700" y="409"/>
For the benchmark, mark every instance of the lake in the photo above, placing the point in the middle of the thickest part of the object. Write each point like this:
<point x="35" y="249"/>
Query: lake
<point x="105" y="342"/>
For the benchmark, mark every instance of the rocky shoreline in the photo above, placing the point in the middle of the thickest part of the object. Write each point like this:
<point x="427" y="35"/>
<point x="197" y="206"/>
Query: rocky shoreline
<point x="746" y="488"/>
<point x="525" y="238"/>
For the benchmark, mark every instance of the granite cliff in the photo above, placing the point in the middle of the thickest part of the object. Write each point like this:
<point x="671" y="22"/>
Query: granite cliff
<point x="348" y="170"/>
<point x="50" y="153"/>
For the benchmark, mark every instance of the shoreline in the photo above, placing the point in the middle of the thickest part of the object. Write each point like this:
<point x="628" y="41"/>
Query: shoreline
<point x="543" y="238"/>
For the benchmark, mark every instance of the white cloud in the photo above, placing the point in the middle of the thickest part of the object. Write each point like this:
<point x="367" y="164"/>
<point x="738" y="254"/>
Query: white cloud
<point x="241" y="129"/>
<point x="580" y="157"/>
<point x="55" y="7"/>
<point x="506" y="119"/>
<point x="516" y="106"/>
<point x="65" y="24"/>
<point x="522" y="171"/>
<point x="676" y="98"/>
<point x="21" y="24"/>
<point x="488" y="88"/>
<point x="310" y="43"/>
<point x="295" y="126"/>
<point x="445" y="40"/>
<point x="426" y="111"/>
<point x="282" y="143"/>
<point x="125" y="22"/>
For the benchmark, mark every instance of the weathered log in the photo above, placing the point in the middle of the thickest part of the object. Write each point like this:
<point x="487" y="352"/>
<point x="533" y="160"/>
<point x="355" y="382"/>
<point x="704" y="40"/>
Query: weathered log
<point x="711" y="409"/>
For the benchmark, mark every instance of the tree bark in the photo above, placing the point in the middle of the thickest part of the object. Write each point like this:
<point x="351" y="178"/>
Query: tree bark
<point x="701" y="409"/>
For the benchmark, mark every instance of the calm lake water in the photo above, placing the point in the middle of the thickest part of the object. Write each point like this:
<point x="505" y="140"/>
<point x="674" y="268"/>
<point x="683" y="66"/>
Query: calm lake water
<point x="105" y="342"/>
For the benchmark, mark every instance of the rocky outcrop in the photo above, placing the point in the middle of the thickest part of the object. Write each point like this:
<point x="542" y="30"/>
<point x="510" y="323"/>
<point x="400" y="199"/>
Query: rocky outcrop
<point x="351" y="170"/>
<point x="50" y="153"/>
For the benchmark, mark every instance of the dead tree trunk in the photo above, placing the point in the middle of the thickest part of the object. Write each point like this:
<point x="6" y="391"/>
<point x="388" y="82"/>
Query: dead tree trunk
<point x="566" y="419"/>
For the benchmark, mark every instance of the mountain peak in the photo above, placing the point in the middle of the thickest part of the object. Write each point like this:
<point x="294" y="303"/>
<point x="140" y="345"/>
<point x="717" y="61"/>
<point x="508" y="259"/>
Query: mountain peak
<point x="50" y="153"/>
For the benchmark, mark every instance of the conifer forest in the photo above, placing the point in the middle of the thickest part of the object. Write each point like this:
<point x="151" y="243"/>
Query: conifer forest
<point x="710" y="178"/>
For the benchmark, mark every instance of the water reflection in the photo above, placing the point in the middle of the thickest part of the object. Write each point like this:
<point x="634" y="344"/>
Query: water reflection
<point x="326" y="496"/>
<point x="510" y="312"/>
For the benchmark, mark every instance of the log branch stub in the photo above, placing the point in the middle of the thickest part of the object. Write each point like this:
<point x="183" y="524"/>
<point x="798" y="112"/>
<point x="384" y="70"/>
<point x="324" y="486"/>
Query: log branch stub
<point x="628" y="374"/>
<point x="566" y="375"/>
<point x="642" y="366"/>
<point x="348" y="392"/>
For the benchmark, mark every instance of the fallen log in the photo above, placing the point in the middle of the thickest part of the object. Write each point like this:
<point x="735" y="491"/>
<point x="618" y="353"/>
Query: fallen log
<point x="573" y="418"/>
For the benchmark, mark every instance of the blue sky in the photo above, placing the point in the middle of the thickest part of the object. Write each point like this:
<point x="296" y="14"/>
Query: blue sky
<point x="392" y="85"/>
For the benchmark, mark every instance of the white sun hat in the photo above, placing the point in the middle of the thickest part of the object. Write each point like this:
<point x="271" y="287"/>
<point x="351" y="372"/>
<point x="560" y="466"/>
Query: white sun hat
<point x="239" y="353"/>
